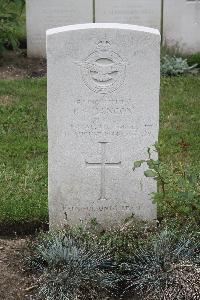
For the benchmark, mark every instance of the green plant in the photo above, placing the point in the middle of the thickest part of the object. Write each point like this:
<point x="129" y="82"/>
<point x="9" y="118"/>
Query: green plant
<point x="179" y="188"/>
<point x="194" y="59"/>
<point x="70" y="270"/>
<point x="124" y="239"/>
<point x="10" y="12"/>
<point x="173" y="66"/>
<point x="121" y="240"/>
<point x="165" y="267"/>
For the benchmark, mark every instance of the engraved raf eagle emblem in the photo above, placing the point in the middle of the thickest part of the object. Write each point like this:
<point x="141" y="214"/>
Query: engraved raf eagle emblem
<point x="103" y="71"/>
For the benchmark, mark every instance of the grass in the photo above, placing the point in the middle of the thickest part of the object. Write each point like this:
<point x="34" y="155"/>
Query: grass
<point x="23" y="150"/>
<point x="180" y="119"/>
<point x="23" y="140"/>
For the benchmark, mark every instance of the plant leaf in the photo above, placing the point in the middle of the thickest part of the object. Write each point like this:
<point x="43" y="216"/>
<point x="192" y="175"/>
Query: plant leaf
<point x="150" y="173"/>
<point x="138" y="164"/>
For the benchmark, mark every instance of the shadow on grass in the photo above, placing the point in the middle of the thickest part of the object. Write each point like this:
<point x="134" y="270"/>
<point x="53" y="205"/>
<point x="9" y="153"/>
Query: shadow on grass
<point x="22" y="228"/>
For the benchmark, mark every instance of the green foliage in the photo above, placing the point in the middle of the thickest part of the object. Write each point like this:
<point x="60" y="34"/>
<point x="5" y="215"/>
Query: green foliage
<point x="179" y="188"/>
<point x="194" y="59"/>
<point x="122" y="240"/>
<point x="173" y="66"/>
<point x="164" y="267"/>
<point x="10" y="13"/>
<point x="71" y="269"/>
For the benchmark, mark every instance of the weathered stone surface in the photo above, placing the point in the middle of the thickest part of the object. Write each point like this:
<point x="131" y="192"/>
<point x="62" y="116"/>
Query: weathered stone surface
<point x="182" y="25"/>
<point x="45" y="14"/>
<point x="103" y="114"/>
<point x="138" y="12"/>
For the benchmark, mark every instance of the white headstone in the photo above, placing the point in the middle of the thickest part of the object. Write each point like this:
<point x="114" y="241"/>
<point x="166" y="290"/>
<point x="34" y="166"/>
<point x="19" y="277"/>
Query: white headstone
<point x="138" y="12"/>
<point x="45" y="14"/>
<point x="182" y="25"/>
<point x="103" y="114"/>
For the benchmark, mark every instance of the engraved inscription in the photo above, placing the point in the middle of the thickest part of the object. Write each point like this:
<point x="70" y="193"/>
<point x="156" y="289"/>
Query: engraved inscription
<point x="97" y="112"/>
<point x="100" y="208"/>
<point x="103" y="165"/>
<point x="103" y="71"/>
<point x="133" y="12"/>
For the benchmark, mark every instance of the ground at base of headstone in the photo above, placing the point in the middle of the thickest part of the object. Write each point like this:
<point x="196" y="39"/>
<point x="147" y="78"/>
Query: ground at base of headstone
<point x="15" y="282"/>
<point x="18" y="66"/>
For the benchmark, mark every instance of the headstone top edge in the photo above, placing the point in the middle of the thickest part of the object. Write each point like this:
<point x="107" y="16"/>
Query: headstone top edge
<point x="86" y="26"/>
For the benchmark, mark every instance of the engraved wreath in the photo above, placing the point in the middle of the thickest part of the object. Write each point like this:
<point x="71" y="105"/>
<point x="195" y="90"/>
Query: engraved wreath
<point x="103" y="71"/>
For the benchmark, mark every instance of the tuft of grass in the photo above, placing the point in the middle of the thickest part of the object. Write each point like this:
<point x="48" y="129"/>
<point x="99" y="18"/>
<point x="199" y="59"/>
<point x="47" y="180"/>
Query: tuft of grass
<point x="165" y="266"/>
<point x="174" y="66"/>
<point x="167" y="263"/>
<point x="192" y="59"/>
<point x="72" y="270"/>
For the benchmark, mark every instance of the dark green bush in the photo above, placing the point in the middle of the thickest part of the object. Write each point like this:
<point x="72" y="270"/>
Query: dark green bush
<point x="10" y="12"/>
<point x="194" y="59"/>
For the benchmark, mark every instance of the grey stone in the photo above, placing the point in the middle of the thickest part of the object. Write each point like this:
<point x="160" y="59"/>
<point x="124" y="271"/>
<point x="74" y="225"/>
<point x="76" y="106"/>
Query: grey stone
<point x="103" y="114"/>
<point x="138" y="12"/>
<point x="182" y="25"/>
<point x="45" y="14"/>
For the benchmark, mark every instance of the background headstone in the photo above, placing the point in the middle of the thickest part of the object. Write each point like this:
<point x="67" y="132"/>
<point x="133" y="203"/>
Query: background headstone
<point x="182" y="25"/>
<point x="45" y="14"/>
<point x="138" y="12"/>
<point x="103" y="114"/>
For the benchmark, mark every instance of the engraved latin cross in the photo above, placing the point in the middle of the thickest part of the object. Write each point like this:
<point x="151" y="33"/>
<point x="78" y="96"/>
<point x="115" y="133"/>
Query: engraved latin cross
<point x="103" y="165"/>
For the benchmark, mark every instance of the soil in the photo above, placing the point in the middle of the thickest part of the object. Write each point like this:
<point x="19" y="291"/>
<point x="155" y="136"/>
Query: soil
<point x="15" y="282"/>
<point x="22" y="228"/>
<point x="18" y="66"/>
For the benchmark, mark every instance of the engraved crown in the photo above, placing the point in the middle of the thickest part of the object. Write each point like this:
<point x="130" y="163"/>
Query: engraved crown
<point x="103" y="45"/>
